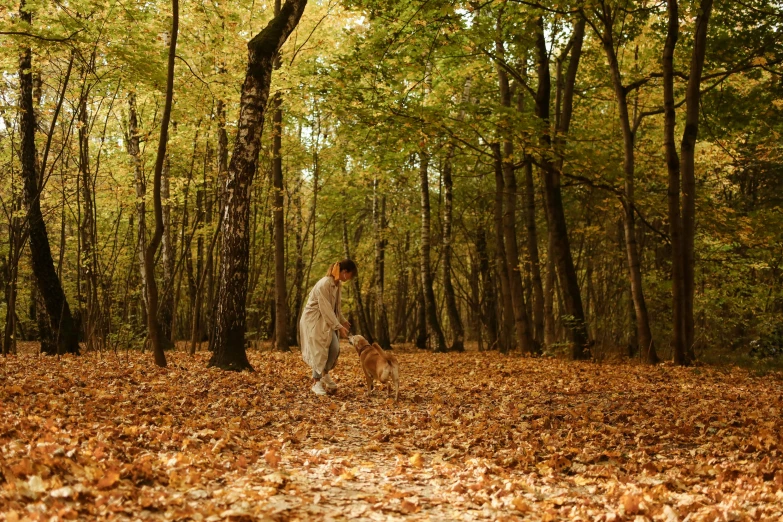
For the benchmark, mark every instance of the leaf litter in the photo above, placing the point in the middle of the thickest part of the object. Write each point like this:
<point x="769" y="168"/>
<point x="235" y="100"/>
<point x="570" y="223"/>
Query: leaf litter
<point x="475" y="436"/>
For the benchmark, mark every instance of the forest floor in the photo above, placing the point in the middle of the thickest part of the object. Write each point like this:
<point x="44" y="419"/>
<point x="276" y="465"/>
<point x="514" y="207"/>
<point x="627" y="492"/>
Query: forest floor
<point x="475" y="436"/>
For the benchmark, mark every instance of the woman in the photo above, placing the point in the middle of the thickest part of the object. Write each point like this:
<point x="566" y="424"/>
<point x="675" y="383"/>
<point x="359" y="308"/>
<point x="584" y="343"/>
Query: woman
<point x="321" y="321"/>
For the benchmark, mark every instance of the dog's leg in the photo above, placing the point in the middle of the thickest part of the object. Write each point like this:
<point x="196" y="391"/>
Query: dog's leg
<point x="396" y="377"/>
<point x="368" y="378"/>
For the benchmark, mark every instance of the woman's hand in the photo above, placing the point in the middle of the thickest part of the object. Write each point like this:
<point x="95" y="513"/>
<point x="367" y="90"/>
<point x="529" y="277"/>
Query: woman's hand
<point x="343" y="332"/>
<point x="346" y="325"/>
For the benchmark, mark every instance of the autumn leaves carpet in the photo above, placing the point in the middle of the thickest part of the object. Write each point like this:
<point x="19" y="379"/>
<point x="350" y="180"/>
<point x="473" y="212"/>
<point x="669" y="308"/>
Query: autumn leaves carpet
<point x="475" y="436"/>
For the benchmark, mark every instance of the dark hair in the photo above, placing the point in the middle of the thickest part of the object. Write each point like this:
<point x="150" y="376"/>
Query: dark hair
<point x="347" y="264"/>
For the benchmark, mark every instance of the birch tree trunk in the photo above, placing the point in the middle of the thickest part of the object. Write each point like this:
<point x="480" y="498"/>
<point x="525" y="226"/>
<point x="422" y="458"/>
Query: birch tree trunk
<point x="229" y="348"/>
<point x="134" y="151"/>
<point x="430" y="305"/>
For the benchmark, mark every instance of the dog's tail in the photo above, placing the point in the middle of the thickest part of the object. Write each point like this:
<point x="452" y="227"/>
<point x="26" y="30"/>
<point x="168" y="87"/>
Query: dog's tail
<point x="395" y="374"/>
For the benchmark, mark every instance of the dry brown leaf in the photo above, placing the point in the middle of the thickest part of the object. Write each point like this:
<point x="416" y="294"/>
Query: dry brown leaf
<point x="109" y="479"/>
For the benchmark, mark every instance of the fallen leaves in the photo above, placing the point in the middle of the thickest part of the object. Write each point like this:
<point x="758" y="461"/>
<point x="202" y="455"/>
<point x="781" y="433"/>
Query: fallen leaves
<point x="475" y="436"/>
<point x="109" y="479"/>
<point x="272" y="457"/>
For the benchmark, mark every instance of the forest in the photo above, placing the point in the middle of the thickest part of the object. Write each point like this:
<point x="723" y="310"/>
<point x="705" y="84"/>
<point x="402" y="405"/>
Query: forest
<point x="568" y="210"/>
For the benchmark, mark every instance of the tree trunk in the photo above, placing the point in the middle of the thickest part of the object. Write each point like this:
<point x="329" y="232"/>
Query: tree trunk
<point x="231" y="315"/>
<point x="550" y="335"/>
<point x="38" y="313"/>
<point x="402" y="308"/>
<point x="299" y="268"/>
<point x="379" y="225"/>
<point x="194" y="333"/>
<point x="644" y="333"/>
<point x="42" y="263"/>
<point x="522" y="327"/>
<point x="506" y="338"/>
<point x="154" y="332"/>
<point x="364" y="322"/>
<point x="534" y="259"/>
<point x="455" y="322"/>
<point x="222" y="154"/>
<point x="281" y="299"/>
<point x="489" y="309"/>
<point x="687" y="168"/>
<point x="426" y="268"/>
<point x="421" y="318"/>
<point x="86" y="263"/>
<point x="452" y="312"/>
<point x="673" y="191"/>
<point x="15" y="246"/>
<point x="168" y="255"/>
<point x="558" y="228"/>
<point x="134" y="152"/>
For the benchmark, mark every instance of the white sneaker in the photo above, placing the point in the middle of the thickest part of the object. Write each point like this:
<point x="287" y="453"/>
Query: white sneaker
<point x="318" y="388"/>
<point x="329" y="383"/>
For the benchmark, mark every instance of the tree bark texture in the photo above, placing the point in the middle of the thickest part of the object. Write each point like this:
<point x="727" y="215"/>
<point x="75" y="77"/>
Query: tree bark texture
<point x="278" y="213"/>
<point x="231" y="316"/>
<point x="134" y="151"/>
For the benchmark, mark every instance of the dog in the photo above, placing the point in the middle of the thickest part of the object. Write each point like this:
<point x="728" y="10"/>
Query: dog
<point x="377" y="364"/>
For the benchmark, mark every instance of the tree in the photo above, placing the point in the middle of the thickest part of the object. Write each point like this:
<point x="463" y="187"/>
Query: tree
<point x="57" y="309"/>
<point x="433" y="322"/>
<point x="281" y="298"/>
<point x="561" y="249"/>
<point x="229" y="346"/>
<point x="607" y="17"/>
<point x="154" y="331"/>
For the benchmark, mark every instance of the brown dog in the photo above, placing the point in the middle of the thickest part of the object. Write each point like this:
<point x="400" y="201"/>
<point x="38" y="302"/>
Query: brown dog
<point x="377" y="364"/>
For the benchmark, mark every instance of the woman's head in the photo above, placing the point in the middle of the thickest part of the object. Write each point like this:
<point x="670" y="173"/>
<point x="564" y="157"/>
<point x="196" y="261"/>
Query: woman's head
<point x="343" y="270"/>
